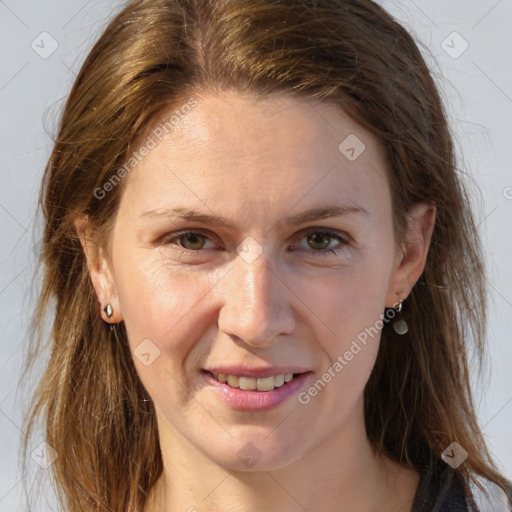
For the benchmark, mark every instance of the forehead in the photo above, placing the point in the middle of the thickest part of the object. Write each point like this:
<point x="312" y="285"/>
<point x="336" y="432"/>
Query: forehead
<point x="246" y="124"/>
<point x="260" y="150"/>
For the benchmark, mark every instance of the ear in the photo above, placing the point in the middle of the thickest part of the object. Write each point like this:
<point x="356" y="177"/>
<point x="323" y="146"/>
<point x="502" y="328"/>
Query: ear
<point x="99" y="271"/>
<point x="411" y="258"/>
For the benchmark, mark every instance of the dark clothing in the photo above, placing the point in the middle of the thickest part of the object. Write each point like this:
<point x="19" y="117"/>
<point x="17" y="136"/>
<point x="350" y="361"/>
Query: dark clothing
<point x="442" y="489"/>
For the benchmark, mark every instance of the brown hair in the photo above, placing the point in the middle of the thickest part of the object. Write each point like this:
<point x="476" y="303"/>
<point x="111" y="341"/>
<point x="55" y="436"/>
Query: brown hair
<point x="152" y="57"/>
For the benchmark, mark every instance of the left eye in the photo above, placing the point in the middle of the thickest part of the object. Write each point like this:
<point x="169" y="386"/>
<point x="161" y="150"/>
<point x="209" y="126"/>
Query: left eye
<point x="318" y="240"/>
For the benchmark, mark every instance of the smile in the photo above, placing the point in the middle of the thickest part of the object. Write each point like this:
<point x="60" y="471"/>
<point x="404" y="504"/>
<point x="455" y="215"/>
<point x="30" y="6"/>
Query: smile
<point x="251" y="383"/>
<point x="251" y="393"/>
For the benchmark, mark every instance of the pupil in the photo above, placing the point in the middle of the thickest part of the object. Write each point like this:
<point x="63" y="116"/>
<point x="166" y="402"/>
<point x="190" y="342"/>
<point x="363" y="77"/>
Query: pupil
<point x="313" y="239"/>
<point x="194" y="239"/>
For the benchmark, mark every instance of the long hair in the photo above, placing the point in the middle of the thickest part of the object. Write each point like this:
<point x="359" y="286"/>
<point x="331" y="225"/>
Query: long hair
<point x="154" y="56"/>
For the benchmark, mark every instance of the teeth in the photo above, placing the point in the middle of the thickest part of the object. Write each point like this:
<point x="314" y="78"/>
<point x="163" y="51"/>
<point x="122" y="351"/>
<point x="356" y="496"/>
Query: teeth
<point x="251" y="383"/>
<point x="233" y="381"/>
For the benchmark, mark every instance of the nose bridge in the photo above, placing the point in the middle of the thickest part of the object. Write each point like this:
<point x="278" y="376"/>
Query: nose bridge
<point x="254" y="281"/>
<point x="254" y="303"/>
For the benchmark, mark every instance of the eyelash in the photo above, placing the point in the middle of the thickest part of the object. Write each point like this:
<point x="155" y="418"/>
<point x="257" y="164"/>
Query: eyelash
<point x="167" y="240"/>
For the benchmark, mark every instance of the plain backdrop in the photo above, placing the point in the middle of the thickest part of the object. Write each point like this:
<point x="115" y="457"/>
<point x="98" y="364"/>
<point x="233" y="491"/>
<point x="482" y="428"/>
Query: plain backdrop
<point x="468" y="45"/>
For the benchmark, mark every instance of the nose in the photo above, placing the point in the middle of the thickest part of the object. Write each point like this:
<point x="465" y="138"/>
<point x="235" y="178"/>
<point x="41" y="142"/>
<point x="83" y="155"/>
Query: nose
<point x="256" y="303"/>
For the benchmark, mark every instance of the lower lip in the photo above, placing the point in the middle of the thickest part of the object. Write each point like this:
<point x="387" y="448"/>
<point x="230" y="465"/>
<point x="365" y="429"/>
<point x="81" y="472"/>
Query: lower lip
<point x="252" y="399"/>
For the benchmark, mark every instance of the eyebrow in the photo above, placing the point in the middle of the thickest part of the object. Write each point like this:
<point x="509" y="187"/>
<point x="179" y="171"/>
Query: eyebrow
<point x="310" y="215"/>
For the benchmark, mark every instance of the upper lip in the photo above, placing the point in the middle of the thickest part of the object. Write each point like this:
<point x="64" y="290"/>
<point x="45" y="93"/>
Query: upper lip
<point x="245" y="371"/>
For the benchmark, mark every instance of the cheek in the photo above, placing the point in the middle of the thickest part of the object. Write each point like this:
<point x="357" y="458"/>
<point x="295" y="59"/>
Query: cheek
<point x="162" y="303"/>
<point x="148" y="298"/>
<point x="350" y="303"/>
<point x="348" y="308"/>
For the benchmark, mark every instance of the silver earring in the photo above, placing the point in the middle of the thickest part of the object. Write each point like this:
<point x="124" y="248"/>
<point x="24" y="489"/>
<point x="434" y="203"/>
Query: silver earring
<point x="400" y="326"/>
<point x="108" y="310"/>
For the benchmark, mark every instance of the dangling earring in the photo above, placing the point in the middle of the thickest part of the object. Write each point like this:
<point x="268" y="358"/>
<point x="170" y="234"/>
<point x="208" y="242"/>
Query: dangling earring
<point x="400" y="326"/>
<point x="108" y="310"/>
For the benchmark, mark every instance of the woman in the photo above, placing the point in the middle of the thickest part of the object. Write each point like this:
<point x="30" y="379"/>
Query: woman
<point x="264" y="269"/>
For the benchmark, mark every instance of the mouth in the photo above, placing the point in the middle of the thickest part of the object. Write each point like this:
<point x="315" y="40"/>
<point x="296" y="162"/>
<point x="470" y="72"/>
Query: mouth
<point x="254" y="383"/>
<point x="255" y="392"/>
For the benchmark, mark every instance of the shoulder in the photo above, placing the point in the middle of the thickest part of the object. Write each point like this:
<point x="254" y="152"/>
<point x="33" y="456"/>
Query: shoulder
<point x="492" y="499"/>
<point x="442" y="489"/>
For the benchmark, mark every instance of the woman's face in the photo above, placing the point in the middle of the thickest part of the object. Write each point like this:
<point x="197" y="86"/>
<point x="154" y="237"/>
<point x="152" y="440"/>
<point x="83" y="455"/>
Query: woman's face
<point x="293" y="279"/>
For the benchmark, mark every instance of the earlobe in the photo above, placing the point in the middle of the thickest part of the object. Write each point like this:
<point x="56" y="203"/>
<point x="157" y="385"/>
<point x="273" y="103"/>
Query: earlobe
<point x="103" y="283"/>
<point x="99" y="272"/>
<point x="411" y="264"/>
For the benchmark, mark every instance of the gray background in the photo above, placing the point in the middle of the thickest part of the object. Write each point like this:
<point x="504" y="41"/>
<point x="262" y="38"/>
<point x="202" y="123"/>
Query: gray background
<point x="477" y="86"/>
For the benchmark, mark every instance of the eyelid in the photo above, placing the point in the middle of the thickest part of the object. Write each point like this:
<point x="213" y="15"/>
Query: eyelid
<point x="172" y="236"/>
<point x="329" y="231"/>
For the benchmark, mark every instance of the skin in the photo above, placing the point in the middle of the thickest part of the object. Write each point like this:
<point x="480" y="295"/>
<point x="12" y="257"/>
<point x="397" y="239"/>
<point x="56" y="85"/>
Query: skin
<point x="255" y="162"/>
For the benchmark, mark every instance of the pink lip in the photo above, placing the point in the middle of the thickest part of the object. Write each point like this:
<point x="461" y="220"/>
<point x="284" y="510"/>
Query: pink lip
<point x="244" y="371"/>
<point x="255" y="400"/>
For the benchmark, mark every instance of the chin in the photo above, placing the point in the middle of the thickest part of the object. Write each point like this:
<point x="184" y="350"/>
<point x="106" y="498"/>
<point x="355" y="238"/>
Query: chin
<point x="255" y="453"/>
